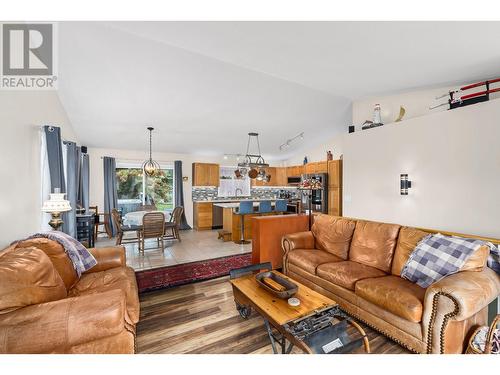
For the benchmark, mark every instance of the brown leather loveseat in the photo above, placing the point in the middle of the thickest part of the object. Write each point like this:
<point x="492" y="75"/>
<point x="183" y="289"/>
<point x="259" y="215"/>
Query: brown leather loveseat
<point x="358" y="264"/>
<point x="46" y="308"/>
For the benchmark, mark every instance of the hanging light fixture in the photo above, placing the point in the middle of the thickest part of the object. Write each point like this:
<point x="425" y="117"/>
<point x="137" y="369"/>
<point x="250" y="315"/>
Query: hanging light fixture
<point x="150" y="167"/>
<point x="252" y="164"/>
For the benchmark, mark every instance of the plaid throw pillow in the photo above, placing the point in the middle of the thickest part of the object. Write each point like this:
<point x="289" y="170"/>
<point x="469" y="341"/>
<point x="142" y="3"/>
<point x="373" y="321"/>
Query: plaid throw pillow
<point x="437" y="256"/>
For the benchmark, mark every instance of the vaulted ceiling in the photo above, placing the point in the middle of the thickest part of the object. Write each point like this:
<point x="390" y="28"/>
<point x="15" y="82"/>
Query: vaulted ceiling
<point x="204" y="85"/>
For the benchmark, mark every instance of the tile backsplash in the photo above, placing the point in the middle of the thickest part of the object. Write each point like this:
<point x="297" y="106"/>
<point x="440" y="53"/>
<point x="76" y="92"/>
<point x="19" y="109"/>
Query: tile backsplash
<point x="210" y="193"/>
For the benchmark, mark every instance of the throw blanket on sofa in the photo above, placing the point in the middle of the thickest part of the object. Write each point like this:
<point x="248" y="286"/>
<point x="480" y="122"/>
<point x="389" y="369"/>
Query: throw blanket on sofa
<point x="81" y="258"/>
<point x="437" y="256"/>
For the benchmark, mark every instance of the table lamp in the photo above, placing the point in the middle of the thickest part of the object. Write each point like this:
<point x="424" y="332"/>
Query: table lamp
<point x="55" y="206"/>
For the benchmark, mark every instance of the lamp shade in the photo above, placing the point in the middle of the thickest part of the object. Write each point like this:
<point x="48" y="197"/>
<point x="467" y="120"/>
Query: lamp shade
<point x="56" y="203"/>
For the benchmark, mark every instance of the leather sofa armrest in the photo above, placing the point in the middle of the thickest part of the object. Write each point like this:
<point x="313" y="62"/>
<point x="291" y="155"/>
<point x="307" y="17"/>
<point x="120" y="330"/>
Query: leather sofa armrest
<point x="57" y="326"/>
<point x="300" y="240"/>
<point x="108" y="257"/>
<point x="456" y="297"/>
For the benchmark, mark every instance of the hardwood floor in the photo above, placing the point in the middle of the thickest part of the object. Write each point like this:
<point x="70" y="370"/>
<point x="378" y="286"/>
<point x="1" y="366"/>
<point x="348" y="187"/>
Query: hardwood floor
<point x="202" y="318"/>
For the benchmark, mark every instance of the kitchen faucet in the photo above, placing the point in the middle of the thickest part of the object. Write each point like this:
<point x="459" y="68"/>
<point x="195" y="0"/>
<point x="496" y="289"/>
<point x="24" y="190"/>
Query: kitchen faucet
<point x="236" y="191"/>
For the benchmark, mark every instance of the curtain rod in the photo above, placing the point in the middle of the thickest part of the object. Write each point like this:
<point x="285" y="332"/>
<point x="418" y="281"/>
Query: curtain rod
<point x="137" y="160"/>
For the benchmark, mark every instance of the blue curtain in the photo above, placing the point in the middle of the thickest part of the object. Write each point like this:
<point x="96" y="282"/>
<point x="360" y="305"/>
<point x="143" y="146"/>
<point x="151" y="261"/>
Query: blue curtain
<point x="55" y="158"/>
<point x="84" y="185"/>
<point x="110" y="192"/>
<point x="72" y="183"/>
<point x="179" y="193"/>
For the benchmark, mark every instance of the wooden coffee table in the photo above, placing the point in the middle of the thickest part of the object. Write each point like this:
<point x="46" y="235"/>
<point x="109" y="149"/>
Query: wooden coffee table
<point x="286" y="319"/>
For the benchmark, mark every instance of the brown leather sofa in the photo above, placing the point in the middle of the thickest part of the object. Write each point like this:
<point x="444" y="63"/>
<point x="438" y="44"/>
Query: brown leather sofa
<point x="46" y="308"/>
<point x="358" y="264"/>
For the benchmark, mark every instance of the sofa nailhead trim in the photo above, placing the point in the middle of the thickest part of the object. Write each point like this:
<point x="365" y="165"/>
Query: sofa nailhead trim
<point x="446" y="318"/>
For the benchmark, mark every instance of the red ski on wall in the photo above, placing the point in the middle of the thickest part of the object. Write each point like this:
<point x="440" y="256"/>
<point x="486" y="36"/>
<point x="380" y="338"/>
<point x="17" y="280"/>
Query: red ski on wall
<point x="468" y="99"/>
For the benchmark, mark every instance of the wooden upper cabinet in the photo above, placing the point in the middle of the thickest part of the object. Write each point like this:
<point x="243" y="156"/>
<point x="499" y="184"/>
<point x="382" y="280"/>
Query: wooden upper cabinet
<point x="316" y="167"/>
<point x="281" y="176"/>
<point x="309" y="168"/>
<point x="205" y="174"/>
<point x="295" y="171"/>
<point x="335" y="173"/>
<point x="322" y="167"/>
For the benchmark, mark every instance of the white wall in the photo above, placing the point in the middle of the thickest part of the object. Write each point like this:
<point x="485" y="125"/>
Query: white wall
<point x="452" y="158"/>
<point x="97" y="172"/>
<point x="21" y="115"/>
<point x="334" y="143"/>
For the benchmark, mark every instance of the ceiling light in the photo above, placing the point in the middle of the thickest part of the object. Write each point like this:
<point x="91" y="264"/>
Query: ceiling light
<point x="150" y="167"/>
<point x="291" y="140"/>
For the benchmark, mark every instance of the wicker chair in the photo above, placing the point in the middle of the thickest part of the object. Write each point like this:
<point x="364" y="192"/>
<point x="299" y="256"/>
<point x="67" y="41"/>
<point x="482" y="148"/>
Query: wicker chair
<point x="147" y="207"/>
<point x="122" y="229"/>
<point x="174" y="224"/>
<point x="153" y="226"/>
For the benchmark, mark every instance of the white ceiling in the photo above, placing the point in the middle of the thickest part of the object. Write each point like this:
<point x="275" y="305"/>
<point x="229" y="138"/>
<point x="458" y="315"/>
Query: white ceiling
<point x="204" y="85"/>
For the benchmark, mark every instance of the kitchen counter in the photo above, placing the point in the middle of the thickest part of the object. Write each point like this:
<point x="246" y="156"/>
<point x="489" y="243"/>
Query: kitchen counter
<point x="236" y="204"/>
<point x="223" y="200"/>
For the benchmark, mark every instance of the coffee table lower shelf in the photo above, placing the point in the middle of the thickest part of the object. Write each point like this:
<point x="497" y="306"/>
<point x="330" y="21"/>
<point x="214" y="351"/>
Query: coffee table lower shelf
<point x="319" y="326"/>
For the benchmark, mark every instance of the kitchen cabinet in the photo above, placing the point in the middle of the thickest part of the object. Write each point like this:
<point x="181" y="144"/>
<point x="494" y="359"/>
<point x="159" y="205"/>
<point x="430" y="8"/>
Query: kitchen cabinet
<point x="295" y="171"/>
<point x="202" y="215"/>
<point x="335" y="201"/>
<point x="205" y="174"/>
<point x="335" y="174"/>
<point x="281" y="176"/>
<point x="316" y="167"/>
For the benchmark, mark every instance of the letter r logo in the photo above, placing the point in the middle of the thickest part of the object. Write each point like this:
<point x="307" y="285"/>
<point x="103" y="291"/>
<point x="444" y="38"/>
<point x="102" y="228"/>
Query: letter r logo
<point x="27" y="49"/>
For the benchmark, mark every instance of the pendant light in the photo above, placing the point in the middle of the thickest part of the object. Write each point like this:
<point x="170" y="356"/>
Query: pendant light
<point x="150" y="167"/>
<point x="252" y="164"/>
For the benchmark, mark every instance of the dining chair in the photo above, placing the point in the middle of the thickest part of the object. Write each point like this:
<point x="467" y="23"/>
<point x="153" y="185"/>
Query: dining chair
<point x="174" y="224"/>
<point x="122" y="229"/>
<point x="147" y="207"/>
<point x="100" y="219"/>
<point x="153" y="226"/>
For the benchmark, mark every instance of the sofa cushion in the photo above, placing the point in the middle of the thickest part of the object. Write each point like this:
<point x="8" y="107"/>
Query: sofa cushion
<point x="347" y="273"/>
<point x="27" y="277"/>
<point x="333" y="234"/>
<point x="373" y="244"/>
<point x="399" y="296"/>
<point x="57" y="255"/>
<point x="309" y="260"/>
<point x="477" y="261"/>
<point x="114" y="278"/>
<point x="407" y="241"/>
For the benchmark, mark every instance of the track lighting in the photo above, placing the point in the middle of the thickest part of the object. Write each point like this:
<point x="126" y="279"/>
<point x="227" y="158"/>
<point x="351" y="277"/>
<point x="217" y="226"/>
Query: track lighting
<point x="289" y="142"/>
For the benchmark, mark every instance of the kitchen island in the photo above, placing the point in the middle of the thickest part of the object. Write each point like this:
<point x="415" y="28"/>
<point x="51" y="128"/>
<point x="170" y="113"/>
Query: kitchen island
<point x="231" y="221"/>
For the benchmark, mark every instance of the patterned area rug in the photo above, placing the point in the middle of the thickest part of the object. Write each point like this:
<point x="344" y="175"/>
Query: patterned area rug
<point x="189" y="272"/>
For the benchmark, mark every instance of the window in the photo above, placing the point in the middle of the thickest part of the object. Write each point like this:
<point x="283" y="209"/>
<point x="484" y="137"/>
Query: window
<point x="230" y="186"/>
<point x="135" y="188"/>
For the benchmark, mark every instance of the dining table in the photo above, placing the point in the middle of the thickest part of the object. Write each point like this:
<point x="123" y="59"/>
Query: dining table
<point x="134" y="218"/>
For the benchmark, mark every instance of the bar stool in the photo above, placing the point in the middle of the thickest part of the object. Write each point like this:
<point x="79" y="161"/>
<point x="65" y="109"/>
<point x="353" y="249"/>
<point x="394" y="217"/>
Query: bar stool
<point x="265" y="207"/>
<point x="245" y="208"/>
<point x="281" y="206"/>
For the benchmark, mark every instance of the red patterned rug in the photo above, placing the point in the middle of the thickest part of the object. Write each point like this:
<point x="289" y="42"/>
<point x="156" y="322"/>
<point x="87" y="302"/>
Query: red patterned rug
<point x="189" y="272"/>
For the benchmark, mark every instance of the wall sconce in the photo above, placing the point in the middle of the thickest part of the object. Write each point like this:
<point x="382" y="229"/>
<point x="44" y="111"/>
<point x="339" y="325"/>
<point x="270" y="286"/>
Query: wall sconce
<point x="405" y="184"/>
